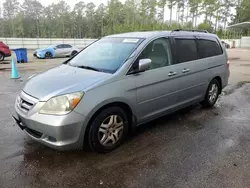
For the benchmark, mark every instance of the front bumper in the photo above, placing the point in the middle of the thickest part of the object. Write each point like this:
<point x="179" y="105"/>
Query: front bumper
<point x="39" y="55"/>
<point x="58" y="132"/>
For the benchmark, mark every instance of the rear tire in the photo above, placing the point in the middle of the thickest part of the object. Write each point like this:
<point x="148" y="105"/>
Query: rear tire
<point x="73" y="53"/>
<point x="212" y="94"/>
<point x="108" y="130"/>
<point x="1" y="56"/>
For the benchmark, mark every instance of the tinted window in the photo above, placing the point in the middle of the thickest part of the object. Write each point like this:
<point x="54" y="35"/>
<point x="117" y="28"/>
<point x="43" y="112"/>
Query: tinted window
<point x="60" y="46"/>
<point x="209" y="48"/>
<point x="159" y="52"/>
<point x="186" y="50"/>
<point x="67" y="46"/>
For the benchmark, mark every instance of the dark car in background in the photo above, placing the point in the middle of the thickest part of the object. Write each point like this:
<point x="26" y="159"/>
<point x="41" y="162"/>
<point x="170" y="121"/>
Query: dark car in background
<point x="4" y="51"/>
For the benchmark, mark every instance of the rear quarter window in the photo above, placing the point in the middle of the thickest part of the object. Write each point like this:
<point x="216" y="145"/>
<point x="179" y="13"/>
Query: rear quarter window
<point x="209" y="48"/>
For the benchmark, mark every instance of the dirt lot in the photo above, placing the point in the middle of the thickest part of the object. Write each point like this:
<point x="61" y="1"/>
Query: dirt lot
<point x="240" y="65"/>
<point x="191" y="148"/>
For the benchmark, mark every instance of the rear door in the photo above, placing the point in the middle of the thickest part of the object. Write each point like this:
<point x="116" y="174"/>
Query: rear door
<point x="211" y="52"/>
<point x="67" y="49"/>
<point x="192" y="70"/>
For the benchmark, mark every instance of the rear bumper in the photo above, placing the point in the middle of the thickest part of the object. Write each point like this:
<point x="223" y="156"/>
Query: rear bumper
<point x="225" y="79"/>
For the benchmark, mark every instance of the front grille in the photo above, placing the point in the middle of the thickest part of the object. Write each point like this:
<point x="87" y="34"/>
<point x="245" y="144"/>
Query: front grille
<point x="25" y="105"/>
<point x="25" y="102"/>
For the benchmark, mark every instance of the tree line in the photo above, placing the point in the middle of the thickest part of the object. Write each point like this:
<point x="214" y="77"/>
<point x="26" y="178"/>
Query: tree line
<point x="87" y="20"/>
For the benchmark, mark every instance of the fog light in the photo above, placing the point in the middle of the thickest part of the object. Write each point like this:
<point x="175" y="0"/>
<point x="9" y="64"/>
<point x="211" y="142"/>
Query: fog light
<point x="52" y="139"/>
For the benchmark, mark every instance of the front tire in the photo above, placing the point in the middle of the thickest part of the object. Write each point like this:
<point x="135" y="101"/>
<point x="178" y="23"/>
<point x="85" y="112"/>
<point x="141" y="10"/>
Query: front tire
<point x="108" y="130"/>
<point x="212" y="94"/>
<point x="48" y="55"/>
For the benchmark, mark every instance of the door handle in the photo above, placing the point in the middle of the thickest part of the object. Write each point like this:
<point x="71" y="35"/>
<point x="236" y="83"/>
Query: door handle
<point x="185" y="70"/>
<point x="172" y="73"/>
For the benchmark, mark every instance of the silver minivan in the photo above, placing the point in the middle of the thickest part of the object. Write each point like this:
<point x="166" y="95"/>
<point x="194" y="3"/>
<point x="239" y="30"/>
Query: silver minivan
<point x="119" y="82"/>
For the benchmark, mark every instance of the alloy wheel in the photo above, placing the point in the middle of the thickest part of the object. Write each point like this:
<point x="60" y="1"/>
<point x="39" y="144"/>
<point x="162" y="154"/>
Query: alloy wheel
<point x="110" y="131"/>
<point x="213" y="93"/>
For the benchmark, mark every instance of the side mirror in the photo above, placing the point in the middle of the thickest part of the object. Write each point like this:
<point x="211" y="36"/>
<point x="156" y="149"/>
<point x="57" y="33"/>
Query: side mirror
<point x="144" y="64"/>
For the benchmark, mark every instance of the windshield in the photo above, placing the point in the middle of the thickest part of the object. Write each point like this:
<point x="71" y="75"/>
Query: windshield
<point x="106" y="55"/>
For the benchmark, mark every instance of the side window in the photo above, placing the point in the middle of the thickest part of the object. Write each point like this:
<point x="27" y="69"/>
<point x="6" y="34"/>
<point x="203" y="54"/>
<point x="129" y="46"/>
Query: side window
<point x="67" y="46"/>
<point x="186" y="50"/>
<point x="208" y="48"/>
<point x="60" y="46"/>
<point x="159" y="51"/>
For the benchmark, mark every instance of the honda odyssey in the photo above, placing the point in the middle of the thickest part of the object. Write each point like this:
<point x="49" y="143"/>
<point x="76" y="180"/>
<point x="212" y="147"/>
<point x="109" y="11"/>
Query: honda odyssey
<point x="119" y="82"/>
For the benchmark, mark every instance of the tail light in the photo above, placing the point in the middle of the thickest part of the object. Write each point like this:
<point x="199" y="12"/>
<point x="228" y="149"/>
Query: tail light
<point x="228" y="63"/>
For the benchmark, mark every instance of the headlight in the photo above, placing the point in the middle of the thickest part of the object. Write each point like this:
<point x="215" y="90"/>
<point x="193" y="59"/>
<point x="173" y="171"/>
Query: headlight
<point x="62" y="105"/>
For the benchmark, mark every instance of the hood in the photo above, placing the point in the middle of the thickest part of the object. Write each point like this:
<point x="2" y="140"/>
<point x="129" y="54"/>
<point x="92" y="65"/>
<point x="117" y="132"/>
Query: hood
<point x="41" y="49"/>
<point x="62" y="80"/>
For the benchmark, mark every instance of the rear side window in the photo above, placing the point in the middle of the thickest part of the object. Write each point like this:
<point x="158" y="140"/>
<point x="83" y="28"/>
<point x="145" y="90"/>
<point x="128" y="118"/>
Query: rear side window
<point x="186" y="50"/>
<point x="208" y="48"/>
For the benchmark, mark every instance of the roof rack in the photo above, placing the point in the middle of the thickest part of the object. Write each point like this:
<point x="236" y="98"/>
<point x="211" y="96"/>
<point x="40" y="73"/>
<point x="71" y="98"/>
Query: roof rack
<point x="192" y="30"/>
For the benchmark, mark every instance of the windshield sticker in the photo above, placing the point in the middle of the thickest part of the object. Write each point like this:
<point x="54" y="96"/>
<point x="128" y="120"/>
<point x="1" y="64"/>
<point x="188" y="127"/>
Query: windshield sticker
<point x="131" y="40"/>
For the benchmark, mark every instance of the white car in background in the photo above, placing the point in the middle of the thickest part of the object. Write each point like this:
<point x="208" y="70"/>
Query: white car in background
<point x="53" y="51"/>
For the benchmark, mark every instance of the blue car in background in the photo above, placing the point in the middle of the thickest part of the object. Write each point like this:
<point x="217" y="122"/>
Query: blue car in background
<point x="60" y="50"/>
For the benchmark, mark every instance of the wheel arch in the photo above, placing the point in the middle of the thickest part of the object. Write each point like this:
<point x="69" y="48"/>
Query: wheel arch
<point x="73" y="52"/>
<point x="52" y="51"/>
<point x="218" y="78"/>
<point x="123" y="105"/>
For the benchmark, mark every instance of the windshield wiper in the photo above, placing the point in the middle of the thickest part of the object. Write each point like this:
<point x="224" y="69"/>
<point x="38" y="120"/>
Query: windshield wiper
<point x="88" y="67"/>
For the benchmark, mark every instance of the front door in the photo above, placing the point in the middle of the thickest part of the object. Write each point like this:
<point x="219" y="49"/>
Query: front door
<point x="59" y="51"/>
<point x="156" y="88"/>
